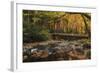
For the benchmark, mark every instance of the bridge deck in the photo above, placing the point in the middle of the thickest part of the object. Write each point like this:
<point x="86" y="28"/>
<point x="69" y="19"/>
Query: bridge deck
<point x="66" y="36"/>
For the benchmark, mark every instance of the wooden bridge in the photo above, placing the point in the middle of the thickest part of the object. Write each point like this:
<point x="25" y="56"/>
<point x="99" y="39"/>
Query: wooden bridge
<point x="65" y="36"/>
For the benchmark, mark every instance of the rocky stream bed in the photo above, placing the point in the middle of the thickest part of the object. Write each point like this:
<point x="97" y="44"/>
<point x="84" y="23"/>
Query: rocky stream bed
<point x="56" y="51"/>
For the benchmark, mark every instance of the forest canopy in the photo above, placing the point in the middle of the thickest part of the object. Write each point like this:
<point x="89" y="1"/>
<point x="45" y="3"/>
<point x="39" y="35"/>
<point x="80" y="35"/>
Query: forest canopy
<point x="38" y="25"/>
